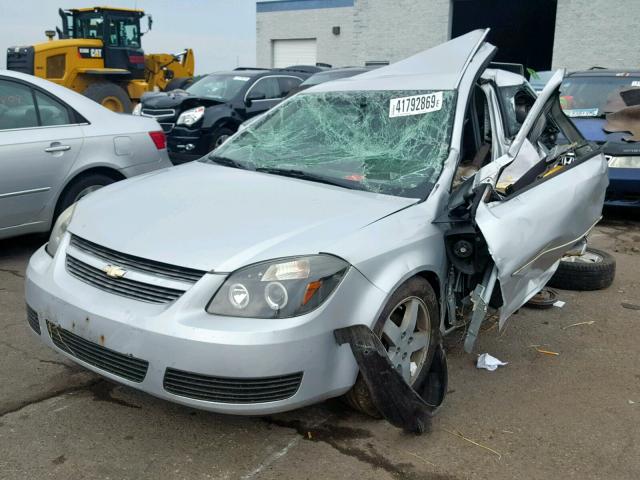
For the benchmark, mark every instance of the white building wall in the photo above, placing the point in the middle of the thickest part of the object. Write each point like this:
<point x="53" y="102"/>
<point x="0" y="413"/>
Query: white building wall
<point x="336" y="50"/>
<point x="604" y="33"/>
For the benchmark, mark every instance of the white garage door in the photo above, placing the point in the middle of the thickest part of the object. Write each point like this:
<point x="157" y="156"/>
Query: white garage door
<point x="294" y="52"/>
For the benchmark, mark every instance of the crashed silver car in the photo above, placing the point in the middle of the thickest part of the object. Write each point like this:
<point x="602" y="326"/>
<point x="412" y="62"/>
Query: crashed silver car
<point x="325" y="249"/>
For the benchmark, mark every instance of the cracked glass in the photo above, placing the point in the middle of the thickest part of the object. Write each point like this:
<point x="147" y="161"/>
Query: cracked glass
<point x="349" y="139"/>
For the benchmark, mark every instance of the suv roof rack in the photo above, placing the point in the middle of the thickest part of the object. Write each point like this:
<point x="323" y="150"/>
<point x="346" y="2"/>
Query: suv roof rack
<point x="249" y="68"/>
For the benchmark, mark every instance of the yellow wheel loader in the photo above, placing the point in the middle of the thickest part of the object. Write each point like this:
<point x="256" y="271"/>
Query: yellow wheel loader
<point x="99" y="53"/>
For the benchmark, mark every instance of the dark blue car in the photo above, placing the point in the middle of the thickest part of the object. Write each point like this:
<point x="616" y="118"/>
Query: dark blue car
<point x="587" y="97"/>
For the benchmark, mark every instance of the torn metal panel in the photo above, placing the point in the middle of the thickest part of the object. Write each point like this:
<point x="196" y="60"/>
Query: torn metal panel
<point x="400" y="404"/>
<point x="443" y="65"/>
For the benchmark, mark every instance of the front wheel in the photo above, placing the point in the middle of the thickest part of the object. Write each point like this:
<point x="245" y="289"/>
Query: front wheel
<point x="219" y="136"/>
<point x="408" y="329"/>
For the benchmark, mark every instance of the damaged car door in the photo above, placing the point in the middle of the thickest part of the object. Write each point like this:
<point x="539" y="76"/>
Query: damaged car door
<point x="533" y="204"/>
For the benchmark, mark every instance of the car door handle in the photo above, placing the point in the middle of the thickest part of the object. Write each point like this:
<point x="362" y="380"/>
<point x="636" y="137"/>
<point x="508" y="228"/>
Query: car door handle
<point x="57" y="148"/>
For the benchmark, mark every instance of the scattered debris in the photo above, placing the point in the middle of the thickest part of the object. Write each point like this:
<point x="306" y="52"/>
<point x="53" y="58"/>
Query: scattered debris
<point x="630" y="306"/>
<point x="546" y="352"/>
<point x="590" y="322"/>
<point x="559" y="304"/>
<point x="422" y="458"/>
<point x="458" y="434"/>
<point x="545" y="298"/>
<point x="631" y="402"/>
<point x="488" y="362"/>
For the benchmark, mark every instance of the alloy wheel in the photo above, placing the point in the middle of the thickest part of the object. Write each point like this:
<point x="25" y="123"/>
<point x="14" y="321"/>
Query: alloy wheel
<point x="406" y="337"/>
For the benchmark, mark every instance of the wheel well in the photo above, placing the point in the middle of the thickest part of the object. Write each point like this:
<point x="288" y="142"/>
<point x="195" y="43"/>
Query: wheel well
<point x="109" y="172"/>
<point x="433" y="280"/>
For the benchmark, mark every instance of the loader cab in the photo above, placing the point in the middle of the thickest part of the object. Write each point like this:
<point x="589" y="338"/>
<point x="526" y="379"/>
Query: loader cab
<point x="119" y="30"/>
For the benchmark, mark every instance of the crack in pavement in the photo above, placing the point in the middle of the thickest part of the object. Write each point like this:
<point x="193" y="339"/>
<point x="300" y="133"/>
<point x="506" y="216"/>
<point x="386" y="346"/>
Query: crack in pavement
<point x="100" y="388"/>
<point x="52" y="394"/>
<point x="16" y="273"/>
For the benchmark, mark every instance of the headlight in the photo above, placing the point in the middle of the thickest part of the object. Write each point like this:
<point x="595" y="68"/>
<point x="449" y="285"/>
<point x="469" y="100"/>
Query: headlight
<point x="279" y="288"/>
<point x="189" y="117"/>
<point x="624" y="162"/>
<point x="59" y="229"/>
<point x="137" y="110"/>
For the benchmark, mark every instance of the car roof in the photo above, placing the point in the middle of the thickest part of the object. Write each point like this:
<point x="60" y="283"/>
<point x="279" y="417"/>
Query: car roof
<point x="605" y="72"/>
<point x="439" y="68"/>
<point x="257" y="72"/>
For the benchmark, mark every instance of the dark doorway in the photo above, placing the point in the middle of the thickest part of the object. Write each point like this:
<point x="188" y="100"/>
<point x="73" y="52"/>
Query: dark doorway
<point x="521" y="29"/>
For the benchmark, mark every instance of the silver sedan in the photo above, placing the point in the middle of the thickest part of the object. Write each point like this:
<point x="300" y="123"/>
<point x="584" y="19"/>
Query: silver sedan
<point x="56" y="146"/>
<point x="325" y="249"/>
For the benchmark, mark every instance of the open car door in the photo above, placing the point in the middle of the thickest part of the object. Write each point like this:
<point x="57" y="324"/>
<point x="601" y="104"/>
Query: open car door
<point x="541" y="199"/>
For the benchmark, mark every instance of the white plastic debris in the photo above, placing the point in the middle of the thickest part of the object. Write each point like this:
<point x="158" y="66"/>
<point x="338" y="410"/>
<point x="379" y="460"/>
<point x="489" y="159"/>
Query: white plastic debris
<point x="559" y="303"/>
<point x="488" y="362"/>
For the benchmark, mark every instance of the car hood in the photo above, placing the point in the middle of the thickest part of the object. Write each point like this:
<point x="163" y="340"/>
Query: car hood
<point x="211" y="217"/>
<point x="175" y="98"/>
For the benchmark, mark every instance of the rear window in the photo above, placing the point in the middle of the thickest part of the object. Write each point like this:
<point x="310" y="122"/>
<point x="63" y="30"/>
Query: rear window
<point x="598" y="95"/>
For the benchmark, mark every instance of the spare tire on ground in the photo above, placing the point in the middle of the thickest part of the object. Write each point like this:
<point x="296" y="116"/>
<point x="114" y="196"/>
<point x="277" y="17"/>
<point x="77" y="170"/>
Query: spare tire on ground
<point x="594" y="270"/>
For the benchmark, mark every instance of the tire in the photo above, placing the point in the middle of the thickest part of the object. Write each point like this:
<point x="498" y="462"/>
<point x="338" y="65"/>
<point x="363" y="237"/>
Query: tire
<point x="80" y="187"/>
<point x="594" y="270"/>
<point x="358" y="397"/>
<point x="179" y="83"/>
<point x="110" y="96"/>
<point x="219" y="136"/>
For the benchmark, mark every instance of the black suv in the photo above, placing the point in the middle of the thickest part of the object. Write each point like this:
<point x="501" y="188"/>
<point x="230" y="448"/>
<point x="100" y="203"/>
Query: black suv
<point x="200" y="118"/>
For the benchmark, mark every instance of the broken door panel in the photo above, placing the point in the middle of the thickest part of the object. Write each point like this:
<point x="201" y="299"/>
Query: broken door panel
<point x="528" y="232"/>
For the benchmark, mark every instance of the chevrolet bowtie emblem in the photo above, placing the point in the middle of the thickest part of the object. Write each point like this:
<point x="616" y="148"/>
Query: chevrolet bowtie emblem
<point x="114" y="271"/>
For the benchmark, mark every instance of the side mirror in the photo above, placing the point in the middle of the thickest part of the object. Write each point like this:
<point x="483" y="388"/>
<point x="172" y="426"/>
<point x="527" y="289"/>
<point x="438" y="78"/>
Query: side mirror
<point x="253" y="96"/>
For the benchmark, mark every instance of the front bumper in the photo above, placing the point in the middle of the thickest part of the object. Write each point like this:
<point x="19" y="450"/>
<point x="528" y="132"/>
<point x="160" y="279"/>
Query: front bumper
<point x="182" y="336"/>
<point x="624" y="188"/>
<point x="185" y="145"/>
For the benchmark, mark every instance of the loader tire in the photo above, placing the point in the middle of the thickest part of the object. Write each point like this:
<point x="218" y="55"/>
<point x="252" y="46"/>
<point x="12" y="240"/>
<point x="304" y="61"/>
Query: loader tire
<point x="595" y="270"/>
<point x="110" y="96"/>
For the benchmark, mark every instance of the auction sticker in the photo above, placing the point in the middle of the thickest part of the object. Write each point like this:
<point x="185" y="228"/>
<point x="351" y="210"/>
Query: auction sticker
<point x="415" y="105"/>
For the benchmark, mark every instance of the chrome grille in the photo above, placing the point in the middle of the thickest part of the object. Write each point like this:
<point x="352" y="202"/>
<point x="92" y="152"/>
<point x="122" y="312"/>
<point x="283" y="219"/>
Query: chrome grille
<point x="32" y="318"/>
<point x="231" y="390"/>
<point x="136" y="263"/>
<point x="158" y="113"/>
<point x="124" y="287"/>
<point x="125" y="366"/>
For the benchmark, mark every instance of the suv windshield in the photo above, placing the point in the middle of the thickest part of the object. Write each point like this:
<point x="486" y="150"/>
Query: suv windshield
<point x="390" y="142"/>
<point x="218" y="87"/>
<point x="595" y="96"/>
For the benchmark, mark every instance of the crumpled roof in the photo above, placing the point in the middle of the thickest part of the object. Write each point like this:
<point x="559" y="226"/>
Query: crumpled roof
<point x="439" y="68"/>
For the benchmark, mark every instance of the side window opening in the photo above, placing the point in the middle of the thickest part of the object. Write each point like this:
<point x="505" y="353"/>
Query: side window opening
<point x="516" y="102"/>
<point x="17" y="107"/>
<point x="266" y="89"/>
<point x="51" y="111"/>
<point x="477" y="136"/>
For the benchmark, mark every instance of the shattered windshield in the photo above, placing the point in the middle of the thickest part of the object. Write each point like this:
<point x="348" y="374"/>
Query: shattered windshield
<point x="390" y="142"/>
<point x="218" y="87"/>
<point x="595" y="96"/>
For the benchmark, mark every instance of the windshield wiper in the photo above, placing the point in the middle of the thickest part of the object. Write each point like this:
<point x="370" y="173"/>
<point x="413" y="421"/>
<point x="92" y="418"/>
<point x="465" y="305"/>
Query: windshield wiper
<point x="313" y="177"/>
<point x="228" y="162"/>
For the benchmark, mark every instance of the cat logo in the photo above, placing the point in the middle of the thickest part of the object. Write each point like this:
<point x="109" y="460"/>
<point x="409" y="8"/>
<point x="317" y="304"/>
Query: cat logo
<point x="114" y="271"/>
